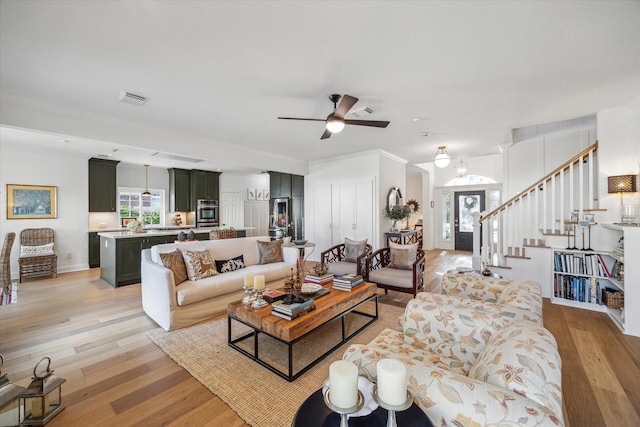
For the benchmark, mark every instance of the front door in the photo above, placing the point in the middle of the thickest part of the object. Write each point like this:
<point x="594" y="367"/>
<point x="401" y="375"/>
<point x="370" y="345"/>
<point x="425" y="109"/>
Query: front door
<point x="466" y="203"/>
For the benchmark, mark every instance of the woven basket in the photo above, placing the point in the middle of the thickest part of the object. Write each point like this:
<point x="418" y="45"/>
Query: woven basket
<point x="613" y="299"/>
<point x="223" y="234"/>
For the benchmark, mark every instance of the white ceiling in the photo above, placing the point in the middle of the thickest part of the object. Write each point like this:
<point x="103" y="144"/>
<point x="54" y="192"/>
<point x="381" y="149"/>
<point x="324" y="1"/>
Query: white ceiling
<point x="218" y="74"/>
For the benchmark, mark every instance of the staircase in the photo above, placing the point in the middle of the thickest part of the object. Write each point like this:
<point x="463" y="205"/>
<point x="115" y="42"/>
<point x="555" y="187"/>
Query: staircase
<point x="543" y="209"/>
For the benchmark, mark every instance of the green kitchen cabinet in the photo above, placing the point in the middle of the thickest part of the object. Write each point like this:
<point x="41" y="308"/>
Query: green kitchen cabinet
<point x="120" y="258"/>
<point x="94" y="250"/>
<point x="179" y="190"/>
<point x="103" y="186"/>
<point x="297" y="217"/>
<point x="279" y="185"/>
<point x="297" y="186"/>
<point x="204" y="185"/>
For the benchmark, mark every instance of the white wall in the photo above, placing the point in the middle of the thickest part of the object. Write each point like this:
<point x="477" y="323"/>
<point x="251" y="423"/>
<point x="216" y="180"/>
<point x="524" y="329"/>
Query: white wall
<point x="618" y="154"/>
<point x="67" y="172"/>
<point x="256" y="212"/>
<point x="489" y="166"/>
<point x="392" y="174"/>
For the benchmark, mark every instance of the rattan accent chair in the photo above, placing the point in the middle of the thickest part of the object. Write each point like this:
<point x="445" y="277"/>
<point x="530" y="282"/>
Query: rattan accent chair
<point x="40" y="264"/>
<point x="388" y="278"/>
<point x="5" y="260"/>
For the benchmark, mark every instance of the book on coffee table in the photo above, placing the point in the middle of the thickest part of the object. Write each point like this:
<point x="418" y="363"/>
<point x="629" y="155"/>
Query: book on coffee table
<point x="271" y="295"/>
<point x="295" y="314"/>
<point x="288" y="308"/>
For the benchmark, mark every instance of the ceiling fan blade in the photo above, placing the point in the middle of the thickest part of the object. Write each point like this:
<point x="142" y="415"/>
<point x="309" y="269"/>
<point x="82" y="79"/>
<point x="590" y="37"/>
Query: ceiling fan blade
<point x="346" y="103"/>
<point x="372" y="123"/>
<point x="297" y="118"/>
<point x="326" y="134"/>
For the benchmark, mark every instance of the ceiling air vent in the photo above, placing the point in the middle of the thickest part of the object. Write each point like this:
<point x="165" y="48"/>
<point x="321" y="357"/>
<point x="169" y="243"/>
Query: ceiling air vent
<point x="131" y="98"/>
<point x="175" y="157"/>
<point x="361" y="112"/>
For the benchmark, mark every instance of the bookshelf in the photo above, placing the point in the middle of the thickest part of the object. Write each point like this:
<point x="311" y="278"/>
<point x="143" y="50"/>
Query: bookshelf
<point x="579" y="277"/>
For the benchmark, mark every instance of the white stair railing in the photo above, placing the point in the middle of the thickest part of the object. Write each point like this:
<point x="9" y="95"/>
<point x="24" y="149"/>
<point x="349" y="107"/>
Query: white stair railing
<point x="542" y="209"/>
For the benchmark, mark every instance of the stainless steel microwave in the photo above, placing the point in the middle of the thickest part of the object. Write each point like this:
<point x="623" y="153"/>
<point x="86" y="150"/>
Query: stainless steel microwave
<point x="207" y="213"/>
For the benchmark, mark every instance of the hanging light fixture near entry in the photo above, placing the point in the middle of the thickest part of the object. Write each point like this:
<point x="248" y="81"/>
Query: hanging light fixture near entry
<point x="442" y="159"/>
<point x="461" y="169"/>
<point x="146" y="185"/>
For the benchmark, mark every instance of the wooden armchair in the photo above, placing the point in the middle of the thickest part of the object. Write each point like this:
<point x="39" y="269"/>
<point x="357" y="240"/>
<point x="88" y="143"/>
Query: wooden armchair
<point x="388" y="278"/>
<point x="5" y="260"/>
<point x="334" y="259"/>
<point x="37" y="257"/>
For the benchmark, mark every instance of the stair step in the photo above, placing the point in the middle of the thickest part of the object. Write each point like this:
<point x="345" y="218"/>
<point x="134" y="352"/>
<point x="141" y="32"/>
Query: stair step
<point x="537" y="246"/>
<point x="517" y="256"/>
<point x="499" y="266"/>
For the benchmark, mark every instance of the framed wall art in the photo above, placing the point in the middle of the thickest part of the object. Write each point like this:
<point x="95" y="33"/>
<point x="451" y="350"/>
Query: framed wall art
<point x="32" y="201"/>
<point x="251" y="194"/>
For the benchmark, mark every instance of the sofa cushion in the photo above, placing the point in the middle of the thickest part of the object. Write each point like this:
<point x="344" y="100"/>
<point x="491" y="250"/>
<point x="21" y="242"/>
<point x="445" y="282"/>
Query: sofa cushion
<point x="435" y="327"/>
<point x="174" y="261"/>
<point x="37" y="250"/>
<point x="524" y="294"/>
<point x="403" y="256"/>
<point x="523" y="357"/>
<point x="233" y="264"/>
<point x="270" y="252"/>
<point x="354" y="248"/>
<point x="191" y="291"/>
<point x="199" y="264"/>
<point x="340" y="268"/>
<point x="392" y="277"/>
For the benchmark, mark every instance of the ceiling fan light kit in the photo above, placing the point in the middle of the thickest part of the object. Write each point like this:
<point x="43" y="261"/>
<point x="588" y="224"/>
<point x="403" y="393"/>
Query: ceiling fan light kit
<point x="442" y="159"/>
<point x="335" y="122"/>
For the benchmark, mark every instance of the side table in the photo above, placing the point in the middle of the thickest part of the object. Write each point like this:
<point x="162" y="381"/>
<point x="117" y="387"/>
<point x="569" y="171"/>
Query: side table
<point x="402" y="237"/>
<point x="302" y="258"/>
<point x="314" y="413"/>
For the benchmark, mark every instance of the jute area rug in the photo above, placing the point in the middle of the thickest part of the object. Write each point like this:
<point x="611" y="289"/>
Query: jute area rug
<point x="257" y="395"/>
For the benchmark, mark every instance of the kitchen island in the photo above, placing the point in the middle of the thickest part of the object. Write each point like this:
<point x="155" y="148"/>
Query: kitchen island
<point x="120" y="251"/>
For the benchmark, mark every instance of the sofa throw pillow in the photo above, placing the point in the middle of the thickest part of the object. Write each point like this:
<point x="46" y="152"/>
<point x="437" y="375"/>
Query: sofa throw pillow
<point x="232" y="264"/>
<point x="403" y="256"/>
<point x="270" y="252"/>
<point x="37" y="250"/>
<point x="354" y="248"/>
<point x="174" y="261"/>
<point x="199" y="264"/>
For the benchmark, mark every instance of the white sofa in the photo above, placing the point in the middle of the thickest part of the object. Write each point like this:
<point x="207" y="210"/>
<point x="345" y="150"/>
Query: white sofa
<point x="174" y="307"/>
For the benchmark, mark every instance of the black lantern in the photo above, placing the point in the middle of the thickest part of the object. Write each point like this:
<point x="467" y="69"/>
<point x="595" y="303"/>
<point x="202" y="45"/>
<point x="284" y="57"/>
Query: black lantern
<point x="42" y="400"/>
<point x="9" y="400"/>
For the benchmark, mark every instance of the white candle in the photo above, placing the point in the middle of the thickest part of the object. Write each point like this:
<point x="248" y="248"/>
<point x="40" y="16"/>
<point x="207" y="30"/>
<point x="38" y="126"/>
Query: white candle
<point x="392" y="381"/>
<point x="343" y="384"/>
<point x="258" y="282"/>
<point x="248" y="280"/>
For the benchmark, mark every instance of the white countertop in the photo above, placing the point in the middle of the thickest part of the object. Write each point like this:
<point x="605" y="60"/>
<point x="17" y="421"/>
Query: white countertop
<point x="122" y="233"/>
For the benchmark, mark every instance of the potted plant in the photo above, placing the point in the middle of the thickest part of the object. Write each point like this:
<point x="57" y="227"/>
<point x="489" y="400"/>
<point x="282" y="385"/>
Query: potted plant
<point x="397" y="213"/>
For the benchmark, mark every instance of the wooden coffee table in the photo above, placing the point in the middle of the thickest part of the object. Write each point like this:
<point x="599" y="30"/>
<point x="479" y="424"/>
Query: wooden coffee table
<point x="332" y="307"/>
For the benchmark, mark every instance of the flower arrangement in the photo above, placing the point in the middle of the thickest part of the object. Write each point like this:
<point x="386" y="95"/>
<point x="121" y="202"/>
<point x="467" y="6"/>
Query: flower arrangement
<point x="284" y="228"/>
<point x="134" y="225"/>
<point x="397" y="212"/>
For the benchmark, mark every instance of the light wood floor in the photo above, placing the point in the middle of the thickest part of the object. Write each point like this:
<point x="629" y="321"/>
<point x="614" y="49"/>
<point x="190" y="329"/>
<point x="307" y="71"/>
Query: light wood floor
<point x="96" y="338"/>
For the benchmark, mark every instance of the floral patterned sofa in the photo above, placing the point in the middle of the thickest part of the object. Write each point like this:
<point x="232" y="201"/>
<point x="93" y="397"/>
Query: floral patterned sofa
<point x="497" y="295"/>
<point x="471" y="367"/>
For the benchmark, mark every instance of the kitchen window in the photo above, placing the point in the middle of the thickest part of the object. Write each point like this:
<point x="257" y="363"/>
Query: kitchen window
<point x="132" y="204"/>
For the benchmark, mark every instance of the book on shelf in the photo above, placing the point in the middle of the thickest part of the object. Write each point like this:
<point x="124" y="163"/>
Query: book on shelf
<point x="284" y="306"/>
<point x="295" y="314"/>
<point x="312" y="278"/>
<point x="272" y="295"/>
